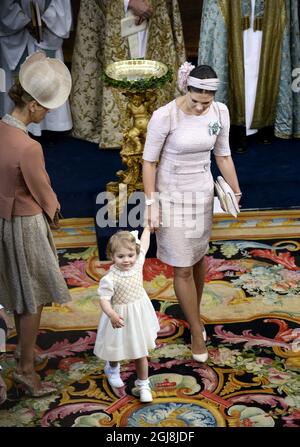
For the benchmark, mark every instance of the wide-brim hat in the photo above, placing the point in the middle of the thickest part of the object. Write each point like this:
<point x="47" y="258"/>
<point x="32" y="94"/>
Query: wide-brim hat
<point x="46" y="79"/>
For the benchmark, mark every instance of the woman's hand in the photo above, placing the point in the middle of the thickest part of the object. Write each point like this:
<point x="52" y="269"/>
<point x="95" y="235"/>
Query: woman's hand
<point x="54" y="223"/>
<point x="152" y="217"/>
<point x="116" y="320"/>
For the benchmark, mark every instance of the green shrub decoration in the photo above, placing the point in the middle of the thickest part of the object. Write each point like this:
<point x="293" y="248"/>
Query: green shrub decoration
<point x="138" y="85"/>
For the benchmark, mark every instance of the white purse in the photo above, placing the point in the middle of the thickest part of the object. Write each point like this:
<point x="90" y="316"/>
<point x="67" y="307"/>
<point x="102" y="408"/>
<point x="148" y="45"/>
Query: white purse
<point x="226" y="197"/>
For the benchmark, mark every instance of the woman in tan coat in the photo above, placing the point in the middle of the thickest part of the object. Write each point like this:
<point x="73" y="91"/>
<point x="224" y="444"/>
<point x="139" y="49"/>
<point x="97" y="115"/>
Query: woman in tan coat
<point x="30" y="276"/>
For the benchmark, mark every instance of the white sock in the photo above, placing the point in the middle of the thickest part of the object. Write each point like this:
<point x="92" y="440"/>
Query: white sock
<point x="140" y="382"/>
<point x="112" y="368"/>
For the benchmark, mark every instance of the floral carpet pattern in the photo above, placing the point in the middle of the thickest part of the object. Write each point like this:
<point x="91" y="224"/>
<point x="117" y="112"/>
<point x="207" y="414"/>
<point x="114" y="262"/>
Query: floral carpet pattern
<point x="251" y="313"/>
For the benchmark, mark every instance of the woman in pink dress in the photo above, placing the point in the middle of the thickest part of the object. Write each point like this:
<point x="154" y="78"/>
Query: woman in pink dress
<point x="179" y="186"/>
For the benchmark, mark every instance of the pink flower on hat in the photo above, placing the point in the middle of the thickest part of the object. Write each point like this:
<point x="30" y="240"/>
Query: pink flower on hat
<point x="183" y="74"/>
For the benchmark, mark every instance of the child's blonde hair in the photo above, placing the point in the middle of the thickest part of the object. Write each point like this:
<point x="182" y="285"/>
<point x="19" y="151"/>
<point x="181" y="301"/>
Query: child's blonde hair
<point x="121" y="239"/>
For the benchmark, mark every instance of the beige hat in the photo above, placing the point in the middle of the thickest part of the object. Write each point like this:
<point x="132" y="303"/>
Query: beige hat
<point x="46" y="79"/>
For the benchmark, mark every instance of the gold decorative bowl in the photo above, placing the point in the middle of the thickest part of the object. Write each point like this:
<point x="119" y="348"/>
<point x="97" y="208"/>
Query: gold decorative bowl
<point x="136" y="70"/>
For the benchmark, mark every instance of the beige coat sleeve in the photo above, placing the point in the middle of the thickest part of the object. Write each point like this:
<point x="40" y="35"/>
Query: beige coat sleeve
<point x="32" y="165"/>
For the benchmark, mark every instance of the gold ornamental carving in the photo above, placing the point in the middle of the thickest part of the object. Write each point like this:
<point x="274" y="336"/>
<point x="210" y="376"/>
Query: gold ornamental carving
<point x="138" y="80"/>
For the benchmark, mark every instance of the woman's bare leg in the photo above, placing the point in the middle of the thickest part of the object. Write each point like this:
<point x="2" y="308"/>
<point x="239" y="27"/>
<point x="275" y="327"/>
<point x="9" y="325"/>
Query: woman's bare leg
<point x="199" y="277"/>
<point x="186" y="293"/>
<point x="28" y="330"/>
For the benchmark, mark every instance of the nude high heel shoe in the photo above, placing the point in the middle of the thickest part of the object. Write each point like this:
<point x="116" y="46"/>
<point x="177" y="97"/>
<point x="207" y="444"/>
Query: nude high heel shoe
<point x="202" y="358"/>
<point x="30" y="386"/>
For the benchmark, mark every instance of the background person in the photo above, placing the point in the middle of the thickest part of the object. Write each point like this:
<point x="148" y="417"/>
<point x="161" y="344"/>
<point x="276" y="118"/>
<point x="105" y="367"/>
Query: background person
<point x="30" y="276"/>
<point x="254" y="47"/>
<point x="96" y="111"/>
<point x="18" y="39"/>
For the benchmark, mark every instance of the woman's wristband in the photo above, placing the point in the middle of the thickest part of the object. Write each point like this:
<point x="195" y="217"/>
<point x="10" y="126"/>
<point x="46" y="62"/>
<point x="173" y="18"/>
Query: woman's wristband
<point x="238" y="194"/>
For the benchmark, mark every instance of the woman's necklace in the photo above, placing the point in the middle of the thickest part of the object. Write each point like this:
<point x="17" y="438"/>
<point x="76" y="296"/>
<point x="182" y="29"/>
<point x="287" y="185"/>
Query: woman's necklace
<point x="13" y="121"/>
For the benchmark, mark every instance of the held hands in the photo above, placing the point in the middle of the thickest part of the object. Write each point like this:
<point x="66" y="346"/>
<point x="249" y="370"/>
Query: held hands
<point x="142" y="9"/>
<point x="152" y="217"/>
<point x="116" y="320"/>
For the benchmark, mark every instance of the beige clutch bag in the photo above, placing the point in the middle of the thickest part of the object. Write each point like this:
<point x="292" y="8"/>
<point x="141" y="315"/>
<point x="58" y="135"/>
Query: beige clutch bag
<point x="226" y="197"/>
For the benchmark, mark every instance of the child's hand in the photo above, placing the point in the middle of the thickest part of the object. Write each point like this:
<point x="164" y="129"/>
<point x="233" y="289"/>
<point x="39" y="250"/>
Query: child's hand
<point x="116" y="321"/>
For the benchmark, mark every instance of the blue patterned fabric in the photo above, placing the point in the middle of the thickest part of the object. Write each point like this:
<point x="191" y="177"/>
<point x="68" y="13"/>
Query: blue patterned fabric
<point x="213" y="45"/>
<point x="213" y="50"/>
<point x="259" y="8"/>
<point x="246" y="8"/>
<point x="287" y="121"/>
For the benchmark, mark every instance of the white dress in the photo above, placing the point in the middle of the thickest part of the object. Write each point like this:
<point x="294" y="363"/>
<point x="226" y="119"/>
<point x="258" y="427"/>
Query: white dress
<point x="130" y="300"/>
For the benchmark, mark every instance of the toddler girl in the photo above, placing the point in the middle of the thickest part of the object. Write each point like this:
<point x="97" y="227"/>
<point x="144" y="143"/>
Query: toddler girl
<point x="128" y="326"/>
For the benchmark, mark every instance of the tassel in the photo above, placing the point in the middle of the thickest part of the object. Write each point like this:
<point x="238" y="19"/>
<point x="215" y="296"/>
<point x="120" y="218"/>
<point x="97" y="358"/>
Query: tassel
<point x="245" y="22"/>
<point x="258" y="24"/>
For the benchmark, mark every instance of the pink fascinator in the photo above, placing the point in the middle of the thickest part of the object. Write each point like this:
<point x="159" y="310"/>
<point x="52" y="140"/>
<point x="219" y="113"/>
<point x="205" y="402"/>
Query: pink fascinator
<point x="183" y="74"/>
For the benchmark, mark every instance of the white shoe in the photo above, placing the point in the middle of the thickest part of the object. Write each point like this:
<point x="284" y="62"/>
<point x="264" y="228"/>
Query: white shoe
<point x="113" y="375"/>
<point x="202" y="358"/>
<point x="144" y="390"/>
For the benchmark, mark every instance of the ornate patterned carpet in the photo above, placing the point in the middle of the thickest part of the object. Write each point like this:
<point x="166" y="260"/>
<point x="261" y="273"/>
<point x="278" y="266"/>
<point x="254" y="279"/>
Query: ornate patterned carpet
<point x="251" y="312"/>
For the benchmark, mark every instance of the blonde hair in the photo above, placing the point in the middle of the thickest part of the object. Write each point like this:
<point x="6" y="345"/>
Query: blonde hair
<point x="121" y="239"/>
